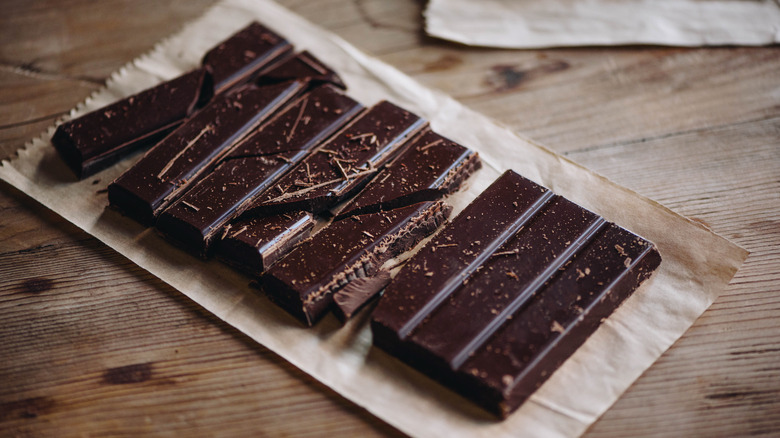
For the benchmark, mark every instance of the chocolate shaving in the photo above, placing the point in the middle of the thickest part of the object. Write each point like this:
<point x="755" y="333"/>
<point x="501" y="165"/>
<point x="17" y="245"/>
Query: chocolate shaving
<point x="297" y="120"/>
<point x="209" y="128"/>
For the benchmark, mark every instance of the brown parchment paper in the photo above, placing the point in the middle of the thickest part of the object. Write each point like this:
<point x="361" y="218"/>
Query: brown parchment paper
<point x="552" y="23"/>
<point x="697" y="264"/>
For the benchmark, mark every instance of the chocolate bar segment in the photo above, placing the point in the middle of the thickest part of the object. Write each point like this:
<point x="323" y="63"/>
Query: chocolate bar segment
<point x="96" y="140"/>
<point x="145" y="189"/>
<point x="512" y="287"/>
<point x="340" y="167"/>
<point x="350" y="299"/>
<point x="519" y="357"/>
<point x="431" y="167"/>
<point x="239" y="57"/>
<point x="302" y="66"/>
<point x="252" y="245"/>
<point x="303" y="282"/>
<point x="253" y="165"/>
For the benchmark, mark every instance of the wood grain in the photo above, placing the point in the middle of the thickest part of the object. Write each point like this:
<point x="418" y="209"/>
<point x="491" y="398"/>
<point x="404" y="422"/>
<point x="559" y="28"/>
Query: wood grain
<point x="93" y="345"/>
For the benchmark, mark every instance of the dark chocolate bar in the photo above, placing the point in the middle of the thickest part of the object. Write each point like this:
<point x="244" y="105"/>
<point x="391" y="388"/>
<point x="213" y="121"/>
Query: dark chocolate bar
<point x="430" y="168"/>
<point x="511" y="288"/>
<point x="303" y="282"/>
<point x="350" y="299"/>
<point x="252" y="245"/>
<point x="96" y="140"/>
<point x="340" y="167"/>
<point x="167" y="169"/>
<point x="302" y="66"/>
<point x="253" y="166"/>
<point x="239" y="57"/>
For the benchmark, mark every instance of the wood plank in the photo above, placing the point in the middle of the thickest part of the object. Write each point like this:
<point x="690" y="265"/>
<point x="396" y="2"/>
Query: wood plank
<point x="725" y="367"/>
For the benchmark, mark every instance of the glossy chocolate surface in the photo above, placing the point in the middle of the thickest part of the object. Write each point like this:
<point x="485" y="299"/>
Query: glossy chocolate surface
<point x="343" y="165"/>
<point x="304" y="281"/>
<point x="429" y="168"/>
<point x="252" y="245"/>
<point x="98" y="139"/>
<point x="167" y="169"/>
<point x="253" y="165"/>
<point x="495" y="302"/>
<point x="302" y="66"/>
<point x="239" y="57"/>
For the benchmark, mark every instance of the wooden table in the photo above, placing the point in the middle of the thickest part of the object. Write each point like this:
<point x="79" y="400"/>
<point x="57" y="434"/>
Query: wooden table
<point x="91" y="344"/>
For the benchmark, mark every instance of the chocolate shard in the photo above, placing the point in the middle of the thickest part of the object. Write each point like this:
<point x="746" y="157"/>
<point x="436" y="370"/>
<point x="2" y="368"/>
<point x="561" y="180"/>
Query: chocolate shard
<point x="302" y="66"/>
<point x="96" y="140"/>
<point x="358" y="293"/>
<point x="343" y="165"/>
<point x="166" y="170"/>
<point x="303" y="282"/>
<point x="252" y="245"/>
<point x="431" y="167"/>
<point x="243" y="54"/>
<point x="252" y="166"/>
<point x="511" y="288"/>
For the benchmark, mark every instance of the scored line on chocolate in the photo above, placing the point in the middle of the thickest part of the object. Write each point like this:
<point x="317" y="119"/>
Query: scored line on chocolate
<point x="390" y="146"/>
<point x="278" y="238"/>
<point x="446" y="173"/>
<point x="456" y="280"/>
<point x="528" y="291"/>
<point x="544" y="351"/>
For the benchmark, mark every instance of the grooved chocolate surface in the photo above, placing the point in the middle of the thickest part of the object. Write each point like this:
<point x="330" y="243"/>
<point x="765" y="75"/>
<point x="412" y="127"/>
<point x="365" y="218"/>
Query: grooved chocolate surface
<point x="98" y="139"/>
<point x="302" y="66"/>
<point x="430" y="167"/>
<point x="253" y="165"/>
<point x="252" y="245"/>
<point x="341" y="166"/>
<point x="493" y="304"/>
<point x="167" y="169"/>
<point x="304" y="281"/>
<point x="243" y="54"/>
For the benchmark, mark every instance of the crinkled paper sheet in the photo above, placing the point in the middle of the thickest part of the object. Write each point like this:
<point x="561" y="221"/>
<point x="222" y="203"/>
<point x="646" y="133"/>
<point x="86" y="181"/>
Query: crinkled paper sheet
<point x="696" y="263"/>
<point x="524" y="24"/>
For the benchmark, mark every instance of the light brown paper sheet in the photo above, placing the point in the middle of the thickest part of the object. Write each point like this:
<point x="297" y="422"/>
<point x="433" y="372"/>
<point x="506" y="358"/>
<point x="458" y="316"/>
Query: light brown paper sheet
<point x="696" y="263"/>
<point x="523" y="24"/>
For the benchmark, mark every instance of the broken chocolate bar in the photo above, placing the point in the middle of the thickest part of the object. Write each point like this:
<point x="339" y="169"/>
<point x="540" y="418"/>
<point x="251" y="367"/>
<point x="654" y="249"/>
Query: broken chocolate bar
<point x="303" y="282"/>
<point x="511" y="288"/>
<point x="358" y="293"/>
<point x="252" y="245"/>
<point x="167" y="169"/>
<point x="239" y="57"/>
<point x="253" y="165"/>
<point x="302" y="66"/>
<point x="430" y="168"/>
<point x="96" y="140"/>
<point x="340" y="167"/>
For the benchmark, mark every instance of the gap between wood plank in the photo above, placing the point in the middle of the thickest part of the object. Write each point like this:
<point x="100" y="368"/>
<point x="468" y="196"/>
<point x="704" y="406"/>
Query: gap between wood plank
<point x="668" y="135"/>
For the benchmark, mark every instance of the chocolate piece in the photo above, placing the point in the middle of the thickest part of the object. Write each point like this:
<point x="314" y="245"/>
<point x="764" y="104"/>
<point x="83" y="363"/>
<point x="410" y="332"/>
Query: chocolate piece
<point x="96" y="140"/>
<point x="167" y="169"/>
<point x="252" y="245"/>
<point x="253" y="165"/>
<point x="509" y="290"/>
<point x="302" y="66"/>
<point x="431" y="167"/>
<point x="304" y="281"/>
<point x="357" y="293"/>
<point x="342" y="166"/>
<point x="242" y="55"/>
